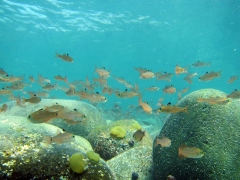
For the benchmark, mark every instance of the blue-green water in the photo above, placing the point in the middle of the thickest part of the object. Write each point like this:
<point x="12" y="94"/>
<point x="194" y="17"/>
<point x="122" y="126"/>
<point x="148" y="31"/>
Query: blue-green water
<point x="120" y="36"/>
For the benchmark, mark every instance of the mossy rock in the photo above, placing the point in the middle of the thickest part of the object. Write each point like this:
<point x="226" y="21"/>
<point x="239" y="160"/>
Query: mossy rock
<point x="109" y="146"/>
<point x="137" y="159"/>
<point x="212" y="128"/>
<point x="94" y="118"/>
<point x="24" y="154"/>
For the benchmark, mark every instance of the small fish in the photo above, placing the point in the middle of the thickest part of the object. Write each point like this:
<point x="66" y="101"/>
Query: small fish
<point x="235" y="94"/>
<point x="71" y="91"/>
<point x="64" y="57"/>
<point x="120" y="80"/>
<point x="33" y="100"/>
<point x="4" y="108"/>
<point x="138" y="135"/>
<point x="60" y="138"/>
<point x="189" y="152"/>
<point x="146" y="107"/>
<point x="210" y="76"/>
<point x="96" y="98"/>
<point x="152" y="88"/>
<point x="54" y="108"/>
<point x="16" y="86"/>
<point x="160" y="100"/>
<point x="60" y="78"/>
<point x="41" y="116"/>
<point x="5" y="92"/>
<point x="164" y="76"/>
<point x="169" y="89"/>
<point x="215" y="100"/>
<point x="147" y="75"/>
<point x="31" y="79"/>
<point x="102" y="72"/>
<point x="41" y="79"/>
<point x="49" y="87"/>
<point x="200" y="64"/>
<point x="184" y="90"/>
<point x="2" y="72"/>
<point x="72" y="117"/>
<point x="180" y="70"/>
<point x="163" y="142"/>
<point x="172" y="109"/>
<point x="232" y="79"/>
<point x="126" y="94"/>
<point x="8" y="78"/>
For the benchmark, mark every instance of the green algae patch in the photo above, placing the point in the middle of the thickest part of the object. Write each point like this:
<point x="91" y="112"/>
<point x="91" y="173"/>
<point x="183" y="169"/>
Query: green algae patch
<point x="118" y="131"/>
<point x="136" y="126"/>
<point x="93" y="156"/>
<point x="77" y="164"/>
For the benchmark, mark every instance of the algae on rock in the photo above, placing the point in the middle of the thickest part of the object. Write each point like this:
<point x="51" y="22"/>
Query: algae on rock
<point x="212" y="128"/>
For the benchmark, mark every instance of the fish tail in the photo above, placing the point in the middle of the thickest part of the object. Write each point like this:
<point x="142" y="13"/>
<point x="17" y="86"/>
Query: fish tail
<point x="24" y="100"/>
<point x="139" y="98"/>
<point x="47" y="140"/>
<point x="186" y="109"/>
<point x="219" y="73"/>
<point x="57" y="55"/>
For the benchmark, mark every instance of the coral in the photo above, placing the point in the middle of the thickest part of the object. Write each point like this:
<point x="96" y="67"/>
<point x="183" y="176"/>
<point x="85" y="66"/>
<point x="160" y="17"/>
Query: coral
<point x="118" y="131"/>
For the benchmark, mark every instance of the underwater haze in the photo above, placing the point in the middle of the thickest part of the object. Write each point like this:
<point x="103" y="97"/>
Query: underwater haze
<point x="120" y="36"/>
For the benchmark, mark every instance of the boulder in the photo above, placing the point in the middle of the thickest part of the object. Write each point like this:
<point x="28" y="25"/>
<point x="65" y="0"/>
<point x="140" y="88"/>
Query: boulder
<point x="94" y="118"/>
<point x="215" y="129"/>
<point x="24" y="153"/>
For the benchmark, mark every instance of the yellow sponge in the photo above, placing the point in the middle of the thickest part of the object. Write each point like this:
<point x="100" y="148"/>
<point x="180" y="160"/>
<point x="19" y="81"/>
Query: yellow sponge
<point x="118" y="131"/>
<point x="77" y="163"/>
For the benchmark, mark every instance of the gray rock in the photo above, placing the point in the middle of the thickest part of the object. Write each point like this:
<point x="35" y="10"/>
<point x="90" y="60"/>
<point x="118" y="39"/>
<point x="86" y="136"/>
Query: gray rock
<point x="215" y="129"/>
<point x="108" y="146"/>
<point x="25" y="155"/>
<point x="137" y="159"/>
<point x="94" y="118"/>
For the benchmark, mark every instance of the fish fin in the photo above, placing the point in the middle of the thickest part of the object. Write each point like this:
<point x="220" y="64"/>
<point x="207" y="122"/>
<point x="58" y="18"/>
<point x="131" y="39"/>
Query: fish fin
<point x="181" y="156"/>
<point x="47" y="140"/>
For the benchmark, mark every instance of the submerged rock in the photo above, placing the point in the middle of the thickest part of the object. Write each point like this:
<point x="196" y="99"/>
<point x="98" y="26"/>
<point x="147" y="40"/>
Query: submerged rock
<point x="212" y="128"/>
<point x="25" y="155"/>
<point x="135" y="161"/>
<point x="109" y="146"/>
<point x="94" y="118"/>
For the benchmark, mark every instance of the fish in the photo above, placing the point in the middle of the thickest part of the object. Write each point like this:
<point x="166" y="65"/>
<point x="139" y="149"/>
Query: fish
<point x="201" y="64"/>
<point x="41" y="79"/>
<point x="72" y="117"/>
<point x="31" y="79"/>
<point x="2" y="72"/>
<point x="16" y="86"/>
<point x="210" y="75"/>
<point x="189" y="77"/>
<point x="169" y="89"/>
<point x="64" y="57"/>
<point x="215" y="100"/>
<point x="164" y="76"/>
<point x="172" y="109"/>
<point x="152" y="88"/>
<point x="189" y="152"/>
<point x="4" y="108"/>
<point x="54" y="108"/>
<point x="146" y="107"/>
<point x="160" y="100"/>
<point x="33" y="100"/>
<point x="71" y="91"/>
<point x="120" y="80"/>
<point x="147" y="75"/>
<point x="232" y="79"/>
<point x="163" y="142"/>
<point x="8" y="78"/>
<point x="235" y="94"/>
<point x="60" y="78"/>
<point x="138" y="135"/>
<point x="59" y="139"/>
<point x="4" y="91"/>
<point x="184" y="90"/>
<point x="126" y="94"/>
<point x="96" y="98"/>
<point x="49" y="87"/>
<point x="42" y="116"/>
<point x="102" y="72"/>
<point x="180" y="70"/>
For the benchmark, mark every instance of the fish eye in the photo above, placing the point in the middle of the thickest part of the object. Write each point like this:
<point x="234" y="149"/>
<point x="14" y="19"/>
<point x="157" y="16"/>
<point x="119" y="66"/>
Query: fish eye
<point x="73" y="136"/>
<point x="29" y="116"/>
<point x="75" y="109"/>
